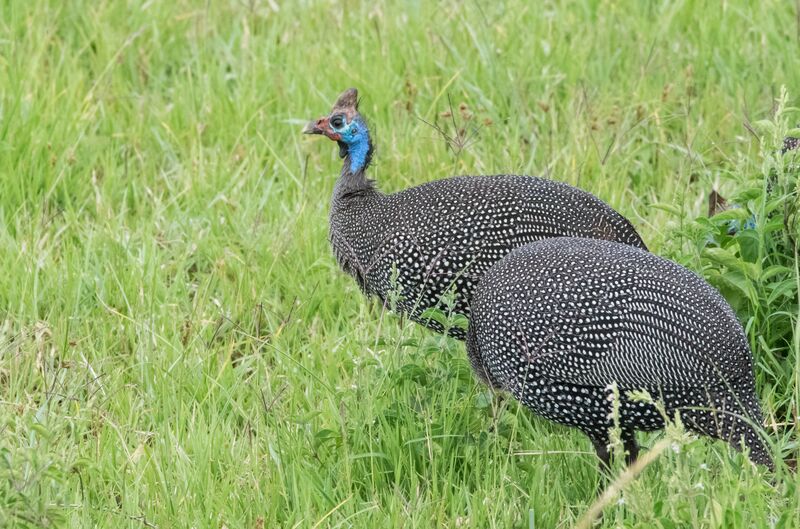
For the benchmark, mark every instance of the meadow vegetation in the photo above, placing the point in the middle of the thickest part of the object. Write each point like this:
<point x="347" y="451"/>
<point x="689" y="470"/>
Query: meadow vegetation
<point x="177" y="345"/>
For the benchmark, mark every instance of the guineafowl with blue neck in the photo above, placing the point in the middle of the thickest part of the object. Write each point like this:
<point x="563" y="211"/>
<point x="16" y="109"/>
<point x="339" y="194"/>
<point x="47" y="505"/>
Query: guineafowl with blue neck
<point x="419" y="244"/>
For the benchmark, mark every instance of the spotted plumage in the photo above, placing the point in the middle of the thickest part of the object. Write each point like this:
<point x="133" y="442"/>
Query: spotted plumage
<point x="557" y="322"/>
<point x="790" y="144"/>
<point x="421" y="243"/>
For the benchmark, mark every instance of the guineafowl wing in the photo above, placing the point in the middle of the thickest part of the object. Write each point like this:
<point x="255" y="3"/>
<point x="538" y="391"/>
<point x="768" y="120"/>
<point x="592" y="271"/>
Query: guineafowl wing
<point x="592" y="313"/>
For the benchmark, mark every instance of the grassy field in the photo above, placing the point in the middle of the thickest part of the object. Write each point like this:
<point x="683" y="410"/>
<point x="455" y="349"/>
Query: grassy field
<point x="177" y="345"/>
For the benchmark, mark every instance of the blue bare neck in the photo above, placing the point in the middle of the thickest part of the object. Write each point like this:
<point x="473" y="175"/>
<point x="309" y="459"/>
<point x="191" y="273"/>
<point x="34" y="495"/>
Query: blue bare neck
<point x="358" y="152"/>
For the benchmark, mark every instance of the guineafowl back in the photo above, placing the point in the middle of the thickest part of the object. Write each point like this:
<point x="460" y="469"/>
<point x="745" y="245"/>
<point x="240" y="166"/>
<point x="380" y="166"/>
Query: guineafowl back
<point x="440" y="237"/>
<point x="596" y="312"/>
<point x="559" y="321"/>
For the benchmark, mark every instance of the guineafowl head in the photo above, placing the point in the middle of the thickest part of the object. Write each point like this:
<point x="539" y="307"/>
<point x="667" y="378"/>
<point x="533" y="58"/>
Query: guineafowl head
<point x="345" y="126"/>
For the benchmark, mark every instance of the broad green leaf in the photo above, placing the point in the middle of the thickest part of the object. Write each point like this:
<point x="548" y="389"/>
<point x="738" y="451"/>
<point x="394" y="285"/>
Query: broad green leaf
<point x="726" y="258"/>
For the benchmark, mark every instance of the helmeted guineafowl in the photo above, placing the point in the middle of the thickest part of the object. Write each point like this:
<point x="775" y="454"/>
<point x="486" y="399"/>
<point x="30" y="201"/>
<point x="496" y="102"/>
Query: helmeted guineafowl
<point x="424" y="241"/>
<point x="790" y="143"/>
<point x="558" y="321"/>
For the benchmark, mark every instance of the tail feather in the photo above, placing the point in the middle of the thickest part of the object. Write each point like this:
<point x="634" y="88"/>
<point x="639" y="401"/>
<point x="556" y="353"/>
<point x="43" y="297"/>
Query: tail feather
<point x="735" y="419"/>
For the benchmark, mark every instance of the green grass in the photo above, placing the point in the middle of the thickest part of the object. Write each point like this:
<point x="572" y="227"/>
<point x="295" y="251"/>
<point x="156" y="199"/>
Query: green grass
<point x="177" y="345"/>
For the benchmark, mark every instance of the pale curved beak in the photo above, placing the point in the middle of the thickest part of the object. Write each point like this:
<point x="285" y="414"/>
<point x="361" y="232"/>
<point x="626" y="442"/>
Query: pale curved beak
<point x="316" y="127"/>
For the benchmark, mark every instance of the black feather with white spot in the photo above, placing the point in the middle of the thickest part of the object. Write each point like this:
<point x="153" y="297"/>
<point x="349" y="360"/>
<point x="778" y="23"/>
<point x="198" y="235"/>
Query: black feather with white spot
<point x="447" y="233"/>
<point x="557" y="322"/>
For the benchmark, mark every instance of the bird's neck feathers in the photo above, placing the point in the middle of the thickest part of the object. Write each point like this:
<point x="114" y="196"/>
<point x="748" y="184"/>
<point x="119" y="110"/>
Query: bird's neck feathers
<point x="359" y="153"/>
<point x="353" y="180"/>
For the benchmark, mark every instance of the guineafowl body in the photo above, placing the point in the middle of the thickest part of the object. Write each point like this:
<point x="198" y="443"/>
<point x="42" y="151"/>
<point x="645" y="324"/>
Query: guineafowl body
<point x="557" y="322"/>
<point x="415" y="246"/>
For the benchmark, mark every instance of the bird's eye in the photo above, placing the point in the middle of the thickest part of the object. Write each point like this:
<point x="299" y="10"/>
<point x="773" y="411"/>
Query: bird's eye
<point x="337" y="122"/>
